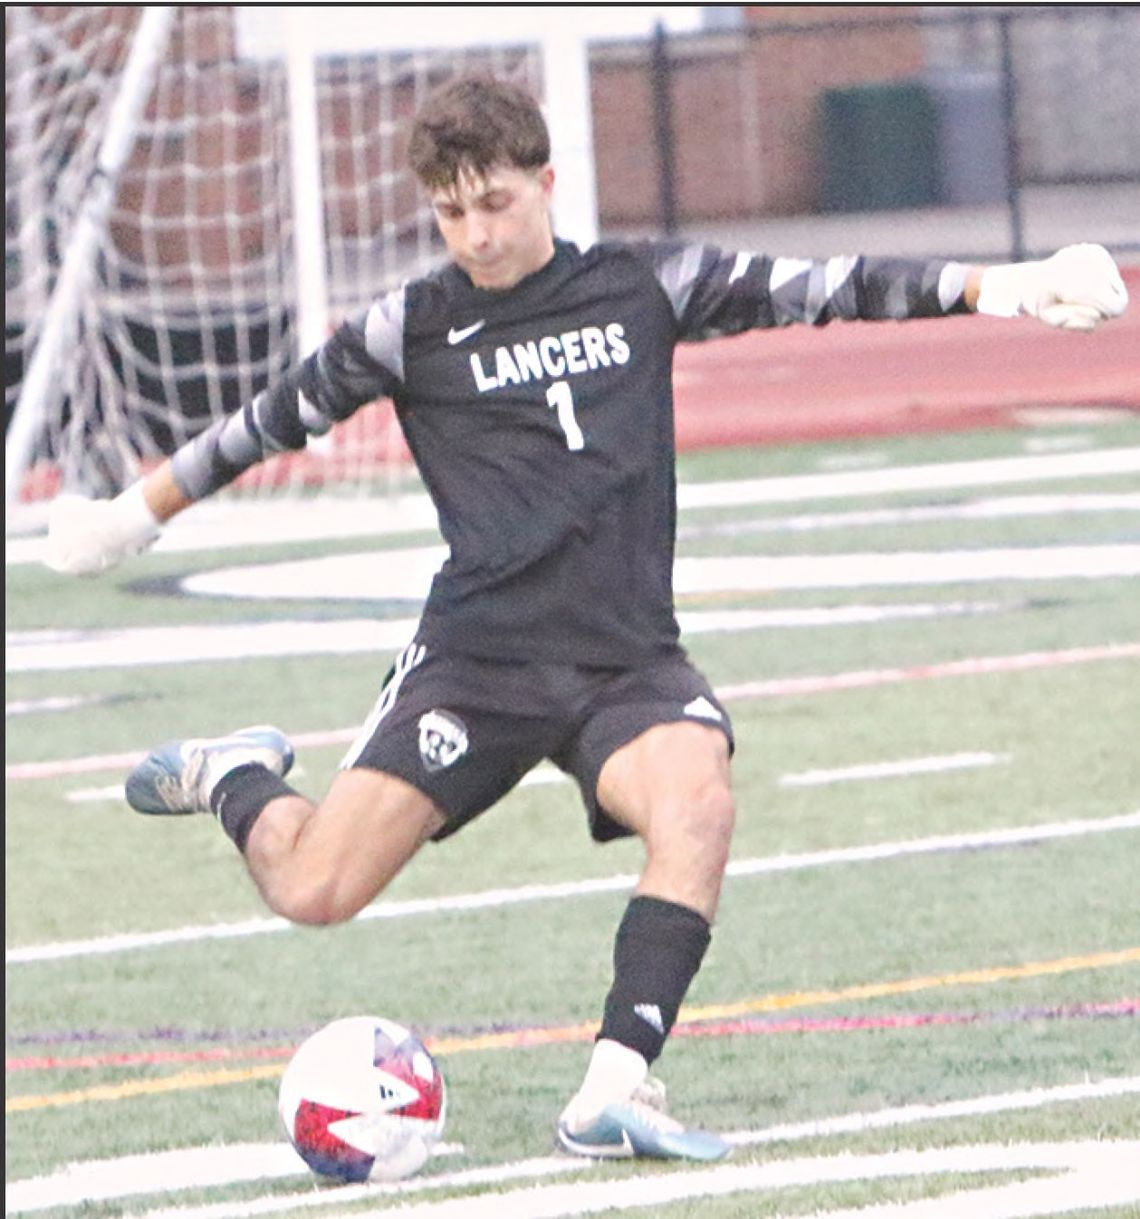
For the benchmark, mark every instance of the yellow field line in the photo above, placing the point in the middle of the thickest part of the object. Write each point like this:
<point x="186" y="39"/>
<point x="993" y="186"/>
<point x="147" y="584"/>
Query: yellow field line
<point x="583" y="1032"/>
<point x="776" y="1003"/>
<point x="906" y="986"/>
<point x="142" y="1087"/>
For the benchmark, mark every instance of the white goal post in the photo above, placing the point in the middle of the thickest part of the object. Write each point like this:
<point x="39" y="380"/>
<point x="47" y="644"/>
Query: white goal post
<point x="166" y="256"/>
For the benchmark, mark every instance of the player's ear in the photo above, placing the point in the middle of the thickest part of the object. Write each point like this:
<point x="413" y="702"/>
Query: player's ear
<point x="546" y="180"/>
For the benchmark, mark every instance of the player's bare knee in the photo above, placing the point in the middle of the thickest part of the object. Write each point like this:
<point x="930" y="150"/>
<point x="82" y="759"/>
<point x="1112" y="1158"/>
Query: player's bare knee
<point x="697" y="824"/>
<point x="713" y="818"/>
<point x="312" y="904"/>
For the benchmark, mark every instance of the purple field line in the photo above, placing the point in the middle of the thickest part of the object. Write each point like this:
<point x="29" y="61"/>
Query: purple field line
<point x="1122" y="1008"/>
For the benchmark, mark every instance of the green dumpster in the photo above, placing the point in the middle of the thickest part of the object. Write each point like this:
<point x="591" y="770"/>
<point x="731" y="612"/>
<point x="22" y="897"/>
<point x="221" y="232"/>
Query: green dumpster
<point x="879" y="147"/>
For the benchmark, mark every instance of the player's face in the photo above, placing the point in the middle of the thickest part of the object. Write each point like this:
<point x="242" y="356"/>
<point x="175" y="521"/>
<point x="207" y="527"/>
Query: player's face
<point x="497" y="226"/>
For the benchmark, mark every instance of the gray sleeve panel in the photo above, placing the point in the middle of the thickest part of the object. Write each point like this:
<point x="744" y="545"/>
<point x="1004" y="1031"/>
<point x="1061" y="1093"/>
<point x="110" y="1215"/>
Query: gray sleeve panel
<point x="952" y="285"/>
<point x="215" y="456"/>
<point x="384" y="331"/>
<point x="678" y="267"/>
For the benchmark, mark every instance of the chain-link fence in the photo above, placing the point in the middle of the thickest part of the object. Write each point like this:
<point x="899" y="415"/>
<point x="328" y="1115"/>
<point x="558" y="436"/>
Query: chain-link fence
<point x="1019" y="124"/>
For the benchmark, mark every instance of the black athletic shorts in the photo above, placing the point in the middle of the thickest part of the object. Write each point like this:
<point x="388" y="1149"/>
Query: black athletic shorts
<point x="464" y="731"/>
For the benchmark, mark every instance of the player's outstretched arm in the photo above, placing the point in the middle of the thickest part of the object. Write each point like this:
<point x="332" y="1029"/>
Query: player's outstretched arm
<point x="1077" y="288"/>
<point x="716" y="292"/>
<point x="352" y="367"/>
<point x="88" y="536"/>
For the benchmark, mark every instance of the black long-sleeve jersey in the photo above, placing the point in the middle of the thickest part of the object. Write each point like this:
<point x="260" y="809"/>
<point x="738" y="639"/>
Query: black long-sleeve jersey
<point x="541" y="420"/>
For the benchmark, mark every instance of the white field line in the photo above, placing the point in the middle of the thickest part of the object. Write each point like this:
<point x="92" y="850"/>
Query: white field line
<point x="892" y="770"/>
<point x="542" y="775"/>
<point x="838" y="485"/>
<point x="60" y="702"/>
<point x="1069" y="1176"/>
<point x="96" y="795"/>
<point x="223" y="523"/>
<point x="971" y="666"/>
<point x="127" y="647"/>
<point x="545" y="774"/>
<point x="164" y="1172"/>
<point x="42" y="651"/>
<point x="1003" y="508"/>
<point x="759" y="573"/>
<point x="196" y="1167"/>
<point x="909" y="1115"/>
<point x="852" y="461"/>
<point x="562" y="890"/>
<point x="768" y="688"/>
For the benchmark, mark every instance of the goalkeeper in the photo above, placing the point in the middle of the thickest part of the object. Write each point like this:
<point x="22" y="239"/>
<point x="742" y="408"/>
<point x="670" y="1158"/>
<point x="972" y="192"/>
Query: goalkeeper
<point x="533" y="382"/>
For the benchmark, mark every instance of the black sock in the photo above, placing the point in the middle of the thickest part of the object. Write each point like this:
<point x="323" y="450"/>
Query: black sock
<point x="657" y="952"/>
<point x="239" y="797"/>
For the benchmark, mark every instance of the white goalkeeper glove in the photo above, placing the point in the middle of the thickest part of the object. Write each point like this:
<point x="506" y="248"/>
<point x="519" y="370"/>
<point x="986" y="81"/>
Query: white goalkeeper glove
<point x="86" y="536"/>
<point x="1076" y="289"/>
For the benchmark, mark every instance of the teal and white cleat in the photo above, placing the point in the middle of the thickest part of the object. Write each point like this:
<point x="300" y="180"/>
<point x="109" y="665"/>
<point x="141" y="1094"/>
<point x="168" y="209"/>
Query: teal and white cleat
<point x="639" y="1127"/>
<point x="179" y="776"/>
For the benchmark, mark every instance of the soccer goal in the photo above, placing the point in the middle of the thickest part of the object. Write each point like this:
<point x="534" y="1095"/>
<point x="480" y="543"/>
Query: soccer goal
<point x="207" y="234"/>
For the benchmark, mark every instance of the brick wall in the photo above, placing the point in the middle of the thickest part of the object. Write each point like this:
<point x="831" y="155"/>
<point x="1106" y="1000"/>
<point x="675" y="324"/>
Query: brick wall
<point x="745" y="109"/>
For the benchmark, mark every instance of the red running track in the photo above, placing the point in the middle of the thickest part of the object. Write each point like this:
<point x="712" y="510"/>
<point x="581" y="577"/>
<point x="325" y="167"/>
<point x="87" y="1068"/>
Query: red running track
<point x="889" y="378"/>
<point x="845" y="380"/>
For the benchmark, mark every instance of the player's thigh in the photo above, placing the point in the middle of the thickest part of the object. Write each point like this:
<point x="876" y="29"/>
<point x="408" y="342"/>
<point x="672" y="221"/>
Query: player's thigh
<point x="670" y="785"/>
<point x="673" y="776"/>
<point x="350" y="847"/>
<point x="377" y="821"/>
<point x="656" y="741"/>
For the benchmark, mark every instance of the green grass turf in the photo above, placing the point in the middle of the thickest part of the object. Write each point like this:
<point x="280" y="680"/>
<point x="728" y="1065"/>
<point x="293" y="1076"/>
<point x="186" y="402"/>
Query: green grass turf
<point x="1066" y="740"/>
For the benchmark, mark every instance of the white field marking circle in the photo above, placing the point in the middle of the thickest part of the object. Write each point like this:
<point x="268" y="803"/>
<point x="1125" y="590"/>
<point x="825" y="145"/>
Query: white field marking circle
<point x="407" y="574"/>
<point x="495" y="898"/>
<point x="195" y="1167"/>
<point x="223" y="523"/>
<point x="903" y="768"/>
<point x="52" y="650"/>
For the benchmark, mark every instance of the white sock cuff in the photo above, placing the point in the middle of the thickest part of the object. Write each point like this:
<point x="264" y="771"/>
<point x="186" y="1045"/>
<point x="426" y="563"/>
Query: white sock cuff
<point x="616" y="1066"/>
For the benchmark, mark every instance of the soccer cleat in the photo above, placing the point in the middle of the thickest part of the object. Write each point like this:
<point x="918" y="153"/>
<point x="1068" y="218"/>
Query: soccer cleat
<point x="179" y="776"/>
<point x="639" y="1127"/>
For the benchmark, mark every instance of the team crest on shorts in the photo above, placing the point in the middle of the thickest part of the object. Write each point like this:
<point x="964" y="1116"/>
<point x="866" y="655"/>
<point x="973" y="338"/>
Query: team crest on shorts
<point x="443" y="739"/>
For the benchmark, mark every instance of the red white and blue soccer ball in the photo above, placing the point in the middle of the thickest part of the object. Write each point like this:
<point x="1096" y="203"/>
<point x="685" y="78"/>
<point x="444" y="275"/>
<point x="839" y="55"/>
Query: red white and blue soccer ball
<point x="363" y="1100"/>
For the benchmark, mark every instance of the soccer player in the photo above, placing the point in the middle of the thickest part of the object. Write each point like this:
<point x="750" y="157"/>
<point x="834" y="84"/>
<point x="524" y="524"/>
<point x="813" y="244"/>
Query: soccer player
<point x="533" y="382"/>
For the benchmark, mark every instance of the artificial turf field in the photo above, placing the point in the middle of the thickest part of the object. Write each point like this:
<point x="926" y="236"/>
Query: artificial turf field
<point x="932" y="902"/>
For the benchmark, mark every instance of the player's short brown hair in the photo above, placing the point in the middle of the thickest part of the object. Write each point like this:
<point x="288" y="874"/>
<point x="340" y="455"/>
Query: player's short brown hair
<point x="473" y="123"/>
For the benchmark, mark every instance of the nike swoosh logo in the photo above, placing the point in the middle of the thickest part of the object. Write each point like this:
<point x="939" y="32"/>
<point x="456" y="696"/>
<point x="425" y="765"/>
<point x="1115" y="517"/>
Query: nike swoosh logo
<point x="603" y="1151"/>
<point x="457" y="336"/>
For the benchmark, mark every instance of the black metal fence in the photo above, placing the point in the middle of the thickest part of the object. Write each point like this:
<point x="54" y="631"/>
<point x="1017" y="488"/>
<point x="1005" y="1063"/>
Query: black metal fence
<point x="1031" y="113"/>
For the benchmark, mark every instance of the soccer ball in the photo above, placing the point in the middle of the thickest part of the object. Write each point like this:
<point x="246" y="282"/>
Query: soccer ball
<point x="363" y="1100"/>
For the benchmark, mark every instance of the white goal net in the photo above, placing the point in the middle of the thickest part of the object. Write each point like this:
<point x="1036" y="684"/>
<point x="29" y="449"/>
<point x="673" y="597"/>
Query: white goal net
<point x="193" y="301"/>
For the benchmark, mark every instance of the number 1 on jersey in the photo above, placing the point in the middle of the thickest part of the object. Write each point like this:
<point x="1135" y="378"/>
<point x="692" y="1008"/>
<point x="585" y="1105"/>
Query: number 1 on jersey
<point x="562" y="400"/>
